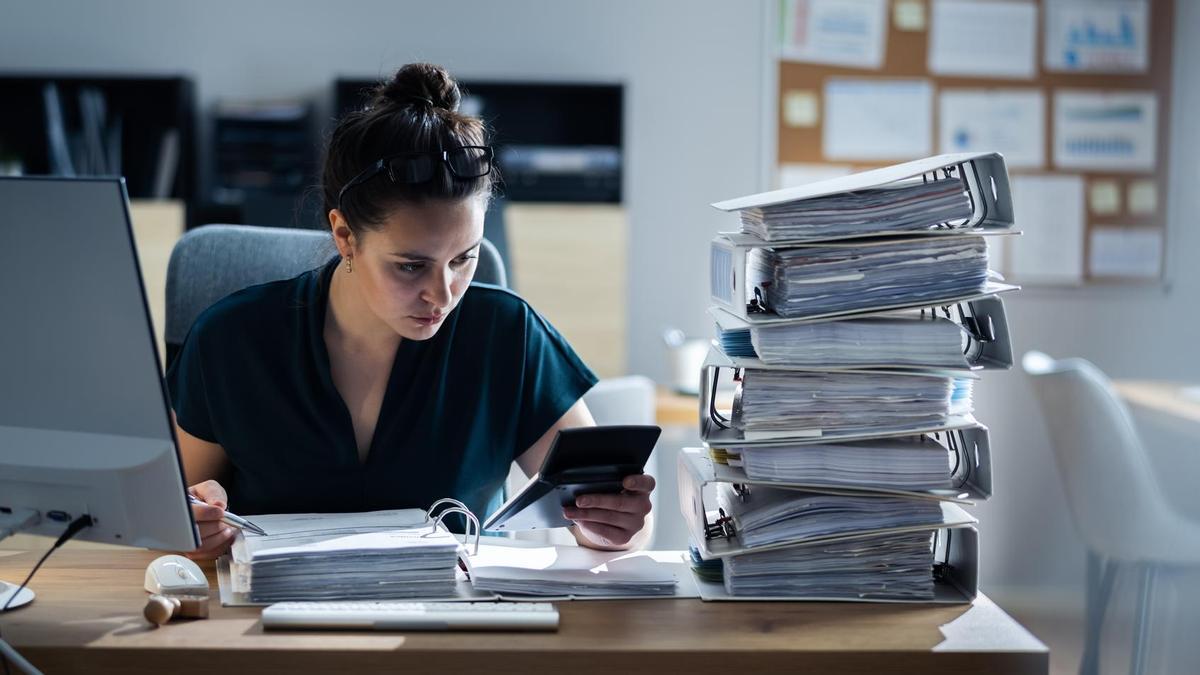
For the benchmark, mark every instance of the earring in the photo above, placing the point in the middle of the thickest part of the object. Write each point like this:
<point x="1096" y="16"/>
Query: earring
<point x="349" y="266"/>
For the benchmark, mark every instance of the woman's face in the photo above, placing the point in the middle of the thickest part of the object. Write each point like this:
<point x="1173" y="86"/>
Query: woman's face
<point x="413" y="270"/>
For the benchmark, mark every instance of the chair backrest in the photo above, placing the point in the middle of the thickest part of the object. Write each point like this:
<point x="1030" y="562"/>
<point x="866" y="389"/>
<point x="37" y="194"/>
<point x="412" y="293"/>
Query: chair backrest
<point x="622" y="400"/>
<point x="1110" y="485"/>
<point x="210" y="262"/>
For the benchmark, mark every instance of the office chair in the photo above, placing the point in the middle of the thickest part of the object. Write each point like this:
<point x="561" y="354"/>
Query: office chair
<point x="210" y="262"/>
<point x="1114" y="498"/>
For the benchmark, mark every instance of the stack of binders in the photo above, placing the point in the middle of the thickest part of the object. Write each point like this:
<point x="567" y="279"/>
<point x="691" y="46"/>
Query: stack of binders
<point x="853" y="318"/>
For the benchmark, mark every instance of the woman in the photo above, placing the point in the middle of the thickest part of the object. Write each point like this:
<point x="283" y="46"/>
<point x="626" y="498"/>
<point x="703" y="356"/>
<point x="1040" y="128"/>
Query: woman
<point x="385" y="379"/>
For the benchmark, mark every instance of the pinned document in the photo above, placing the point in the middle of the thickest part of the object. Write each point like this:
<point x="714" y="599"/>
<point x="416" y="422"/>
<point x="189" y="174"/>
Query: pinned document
<point x="985" y="38"/>
<point x="1126" y="252"/>
<point x="1096" y="130"/>
<point x="1052" y="207"/>
<point x="874" y="119"/>
<point x="1086" y="36"/>
<point x="835" y="32"/>
<point x="1010" y="121"/>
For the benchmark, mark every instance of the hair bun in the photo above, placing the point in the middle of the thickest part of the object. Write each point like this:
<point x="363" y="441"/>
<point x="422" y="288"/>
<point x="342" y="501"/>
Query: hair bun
<point x="420" y="82"/>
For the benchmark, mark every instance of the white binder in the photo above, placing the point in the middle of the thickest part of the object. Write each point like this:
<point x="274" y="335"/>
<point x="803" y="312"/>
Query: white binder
<point x="983" y="175"/>
<point x="716" y="539"/>
<point x="984" y="319"/>
<point x="971" y="477"/>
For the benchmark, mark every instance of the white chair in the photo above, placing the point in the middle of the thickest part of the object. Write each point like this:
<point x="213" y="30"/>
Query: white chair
<point x="1114" y="498"/>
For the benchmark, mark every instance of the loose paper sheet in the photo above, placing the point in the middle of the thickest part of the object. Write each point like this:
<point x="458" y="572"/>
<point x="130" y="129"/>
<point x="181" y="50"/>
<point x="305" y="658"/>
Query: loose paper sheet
<point x="875" y="119"/>
<point x="1101" y="130"/>
<point x="983" y="38"/>
<point x="836" y="32"/>
<point x="1126" y="252"/>
<point x="1011" y="121"/>
<point x="1097" y="36"/>
<point x="1050" y="211"/>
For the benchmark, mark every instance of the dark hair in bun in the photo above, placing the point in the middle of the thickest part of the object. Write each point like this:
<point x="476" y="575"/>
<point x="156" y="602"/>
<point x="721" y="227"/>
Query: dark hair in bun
<point x="416" y="111"/>
<point x="419" y="83"/>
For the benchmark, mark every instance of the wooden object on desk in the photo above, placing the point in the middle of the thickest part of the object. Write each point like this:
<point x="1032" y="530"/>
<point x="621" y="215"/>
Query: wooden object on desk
<point x="569" y="261"/>
<point x="88" y="618"/>
<point x="675" y="409"/>
<point x="1176" y="399"/>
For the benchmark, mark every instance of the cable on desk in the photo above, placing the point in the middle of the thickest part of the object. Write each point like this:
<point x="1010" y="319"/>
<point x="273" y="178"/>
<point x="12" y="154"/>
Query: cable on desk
<point x="72" y="530"/>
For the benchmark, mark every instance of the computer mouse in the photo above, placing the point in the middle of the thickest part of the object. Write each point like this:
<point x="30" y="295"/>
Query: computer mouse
<point x="175" y="575"/>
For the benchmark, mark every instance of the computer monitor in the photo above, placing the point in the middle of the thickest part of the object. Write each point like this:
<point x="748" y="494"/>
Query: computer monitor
<point x="85" y="426"/>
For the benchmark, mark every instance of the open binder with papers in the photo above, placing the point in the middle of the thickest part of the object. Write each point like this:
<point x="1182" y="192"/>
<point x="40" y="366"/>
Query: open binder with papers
<point x="409" y="554"/>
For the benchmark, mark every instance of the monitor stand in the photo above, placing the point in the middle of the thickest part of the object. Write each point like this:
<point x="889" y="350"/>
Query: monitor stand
<point x="7" y="590"/>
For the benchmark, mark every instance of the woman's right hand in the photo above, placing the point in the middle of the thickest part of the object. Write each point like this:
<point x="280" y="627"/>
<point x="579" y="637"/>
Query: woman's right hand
<point x="215" y="536"/>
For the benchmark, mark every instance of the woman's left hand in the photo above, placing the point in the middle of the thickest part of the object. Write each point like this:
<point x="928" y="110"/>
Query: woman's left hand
<point x="611" y="520"/>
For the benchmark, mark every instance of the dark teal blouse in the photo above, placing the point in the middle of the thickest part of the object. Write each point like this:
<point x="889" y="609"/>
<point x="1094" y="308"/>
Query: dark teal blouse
<point x="253" y="375"/>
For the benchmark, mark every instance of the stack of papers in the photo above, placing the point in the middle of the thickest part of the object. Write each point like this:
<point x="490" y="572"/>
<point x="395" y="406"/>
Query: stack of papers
<point x="736" y="342"/>
<point x="818" y="280"/>
<point x="778" y="515"/>
<point x="910" y="340"/>
<point x="568" y="571"/>
<point x="892" y="567"/>
<point x="904" y="207"/>
<point x="381" y="555"/>
<point x="781" y="400"/>
<point x="905" y="463"/>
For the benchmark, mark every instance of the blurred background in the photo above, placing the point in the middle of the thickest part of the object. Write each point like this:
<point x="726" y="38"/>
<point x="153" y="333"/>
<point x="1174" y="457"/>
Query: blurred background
<point x="618" y="123"/>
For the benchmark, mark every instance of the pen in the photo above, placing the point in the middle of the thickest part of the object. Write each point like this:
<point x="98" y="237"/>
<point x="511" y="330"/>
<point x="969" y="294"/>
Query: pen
<point x="231" y="519"/>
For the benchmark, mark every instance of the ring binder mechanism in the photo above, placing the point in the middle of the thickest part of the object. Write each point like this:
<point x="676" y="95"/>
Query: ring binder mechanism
<point x="456" y="507"/>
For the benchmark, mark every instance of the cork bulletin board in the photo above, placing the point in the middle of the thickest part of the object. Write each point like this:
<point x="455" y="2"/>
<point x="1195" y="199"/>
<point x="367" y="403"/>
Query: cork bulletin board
<point x="1090" y="197"/>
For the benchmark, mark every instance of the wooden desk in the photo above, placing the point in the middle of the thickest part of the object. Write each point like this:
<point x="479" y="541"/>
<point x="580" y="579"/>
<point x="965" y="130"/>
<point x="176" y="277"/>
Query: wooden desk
<point x="87" y="617"/>
<point x="1175" y="399"/>
<point x="673" y="409"/>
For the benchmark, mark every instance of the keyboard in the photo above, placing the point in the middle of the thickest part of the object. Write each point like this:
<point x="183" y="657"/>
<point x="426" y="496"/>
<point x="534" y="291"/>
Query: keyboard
<point x="411" y="616"/>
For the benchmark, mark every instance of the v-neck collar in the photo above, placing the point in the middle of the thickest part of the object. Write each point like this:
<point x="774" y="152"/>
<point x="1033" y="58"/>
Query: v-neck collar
<point x="348" y="441"/>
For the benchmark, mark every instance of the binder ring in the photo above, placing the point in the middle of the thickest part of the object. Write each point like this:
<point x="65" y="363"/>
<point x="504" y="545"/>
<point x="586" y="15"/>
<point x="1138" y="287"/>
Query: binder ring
<point x="445" y="500"/>
<point x="472" y="520"/>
